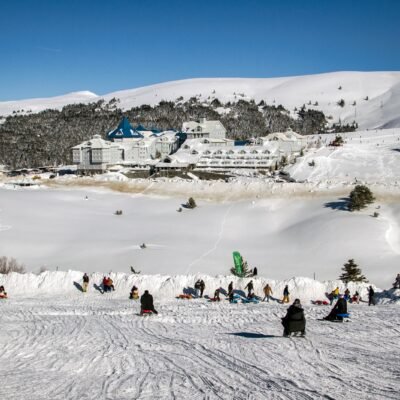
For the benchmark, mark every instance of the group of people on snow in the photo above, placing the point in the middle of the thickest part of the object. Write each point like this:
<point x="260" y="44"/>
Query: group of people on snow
<point x="108" y="284"/>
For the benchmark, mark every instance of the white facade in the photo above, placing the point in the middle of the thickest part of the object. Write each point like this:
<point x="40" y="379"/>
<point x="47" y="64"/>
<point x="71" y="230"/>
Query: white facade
<point x="204" y="129"/>
<point x="290" y="142"/>
<point x="98" y="154"/>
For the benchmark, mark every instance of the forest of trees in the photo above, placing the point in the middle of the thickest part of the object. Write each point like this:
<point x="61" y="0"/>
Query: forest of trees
<point x="46" y="138"/>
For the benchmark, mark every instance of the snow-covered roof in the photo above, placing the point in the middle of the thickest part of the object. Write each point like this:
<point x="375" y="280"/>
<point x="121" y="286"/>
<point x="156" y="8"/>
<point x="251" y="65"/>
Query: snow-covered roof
<point x="202" y="126"/>
<point x="95" y="143"/>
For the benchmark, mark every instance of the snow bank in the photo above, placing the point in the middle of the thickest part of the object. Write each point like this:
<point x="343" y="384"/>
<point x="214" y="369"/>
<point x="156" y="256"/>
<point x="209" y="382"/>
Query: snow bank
<point x="163" y="287"/>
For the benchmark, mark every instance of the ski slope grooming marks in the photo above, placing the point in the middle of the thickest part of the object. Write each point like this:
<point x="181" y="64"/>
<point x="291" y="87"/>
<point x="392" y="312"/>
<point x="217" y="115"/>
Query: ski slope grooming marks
<point x="97" y="347"/>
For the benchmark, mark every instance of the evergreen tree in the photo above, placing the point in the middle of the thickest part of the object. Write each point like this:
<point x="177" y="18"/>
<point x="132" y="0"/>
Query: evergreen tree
<point x="360" y="197"/>
<point x="351" y="273"/>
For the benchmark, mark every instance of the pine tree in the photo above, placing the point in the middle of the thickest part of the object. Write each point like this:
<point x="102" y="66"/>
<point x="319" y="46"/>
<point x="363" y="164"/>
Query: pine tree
<point x="351" y="273"/>
<point x="360" y="197"/>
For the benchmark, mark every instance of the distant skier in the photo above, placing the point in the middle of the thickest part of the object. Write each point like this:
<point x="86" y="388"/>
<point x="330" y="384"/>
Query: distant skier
<point x="286" y="294"/>
<point x="294" y="320"/>
<point x="371" y="296"/>
<point x="133" y="271"/>
<point x="146" y="303"/>
<point x="85" y="282"/>
<point x="267" y="292"/>
<point x="143" y="246"/>
<point x="255" y="272"/>
<point x="202" y="287"/>
<point x="339" y="308"/>
<point x="250" y="289"/>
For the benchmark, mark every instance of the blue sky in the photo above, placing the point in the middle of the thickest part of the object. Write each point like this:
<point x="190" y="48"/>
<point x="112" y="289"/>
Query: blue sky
<point x="49" y="48"/>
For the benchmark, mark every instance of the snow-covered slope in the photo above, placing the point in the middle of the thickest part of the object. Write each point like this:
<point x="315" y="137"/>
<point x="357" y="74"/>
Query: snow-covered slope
<point x="285" y="236"/>
<point x="322" y="91"/>
<point x="58" y="343"/>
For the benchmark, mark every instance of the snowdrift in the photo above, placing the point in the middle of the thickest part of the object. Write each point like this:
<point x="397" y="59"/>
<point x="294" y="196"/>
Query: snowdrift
<point x="67" y="283"/>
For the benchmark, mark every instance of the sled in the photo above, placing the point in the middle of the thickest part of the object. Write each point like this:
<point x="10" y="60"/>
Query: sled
<point x="3" y="296"/>
<point x="146" y="313"/>
<point x="320" y="302"/>
<point x="185" y="296"/>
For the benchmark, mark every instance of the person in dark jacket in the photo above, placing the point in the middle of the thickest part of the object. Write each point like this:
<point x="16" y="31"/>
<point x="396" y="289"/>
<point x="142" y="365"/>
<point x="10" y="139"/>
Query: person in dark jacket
<point x="255" y="272"/>
<point x="286" y="294"/>
<point x="250" y="289"/>
<point x="202" y="287"/>
<point x="371" y="296"/>
<point x="230" y="288"/>
<point x="146" y="303"/>
<point x="339" y="308"/>
<point x="294" y="320"/>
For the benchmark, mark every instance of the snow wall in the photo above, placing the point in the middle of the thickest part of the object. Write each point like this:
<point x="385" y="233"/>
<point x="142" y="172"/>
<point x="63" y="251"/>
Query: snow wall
<point x="58" y="283"/>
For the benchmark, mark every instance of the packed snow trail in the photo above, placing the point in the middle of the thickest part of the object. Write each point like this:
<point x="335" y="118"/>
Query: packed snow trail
<point x="97" y="347"/>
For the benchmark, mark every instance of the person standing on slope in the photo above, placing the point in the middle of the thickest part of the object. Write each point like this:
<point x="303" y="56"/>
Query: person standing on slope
<point x="267" y="292"/>
<point x="286" y="294"/>
<point x="294" y="320"/>
<point x="85" y="282"/>
<point x="202" y="287"/>
<point x="371" y="296"/>
<point x="230" y="288"/>
<point x="197" y="286"/>
<point x="250" y="289"/>
<point x="146" y="303"/>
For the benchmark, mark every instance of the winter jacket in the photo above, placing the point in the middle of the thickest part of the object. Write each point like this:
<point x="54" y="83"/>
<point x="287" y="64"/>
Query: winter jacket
<point x="249" y="286"/>
<point x="85" y="278"/>
<point x="294" y="320"/>
<point x="267" y="290"/>
<point x="371" y="293"/>
<point x="286" y="291"/>
<point x="341" y="306"/>
<point x="146" y="301"/>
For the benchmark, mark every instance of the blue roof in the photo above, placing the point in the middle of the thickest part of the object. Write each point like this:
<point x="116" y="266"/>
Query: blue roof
<point x="124" y="131"/>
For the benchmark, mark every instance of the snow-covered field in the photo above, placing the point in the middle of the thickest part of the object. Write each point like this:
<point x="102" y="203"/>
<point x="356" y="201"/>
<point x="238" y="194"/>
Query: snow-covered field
<point x="371" y="98"/>
<point x="58" y="343"/>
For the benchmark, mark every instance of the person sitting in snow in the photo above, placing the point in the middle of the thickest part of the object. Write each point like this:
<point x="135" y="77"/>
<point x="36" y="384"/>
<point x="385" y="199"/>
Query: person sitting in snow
<point x="146" y="303"/>
<point x="3" y="293"/>
<point x="216" y="295"/>
<point x="134" y="294"/>
<point x="105" y="284"/>
<point x="339" y="308"/>
<point x="250" y="289"/>
<point x="110" y="284"/>
<point x="356" y="298"/>
<point x="294" y="320"/>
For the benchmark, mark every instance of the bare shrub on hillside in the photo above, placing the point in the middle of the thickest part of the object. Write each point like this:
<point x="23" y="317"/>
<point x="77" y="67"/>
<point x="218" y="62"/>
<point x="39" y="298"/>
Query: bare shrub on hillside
<point x="8" y="265"/>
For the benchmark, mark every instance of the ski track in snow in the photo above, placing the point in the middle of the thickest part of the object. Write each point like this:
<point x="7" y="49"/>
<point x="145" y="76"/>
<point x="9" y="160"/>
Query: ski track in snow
<point x="220" y="235"/>
<point x="86" y="348"/>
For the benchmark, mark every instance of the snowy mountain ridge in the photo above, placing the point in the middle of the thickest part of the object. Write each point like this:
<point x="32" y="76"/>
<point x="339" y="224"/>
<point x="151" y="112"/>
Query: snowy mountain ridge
<point x="372" y="99"/>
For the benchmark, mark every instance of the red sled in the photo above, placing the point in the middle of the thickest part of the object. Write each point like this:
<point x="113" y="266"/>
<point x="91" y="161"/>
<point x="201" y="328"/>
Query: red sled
<point x="146" y="312"/>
